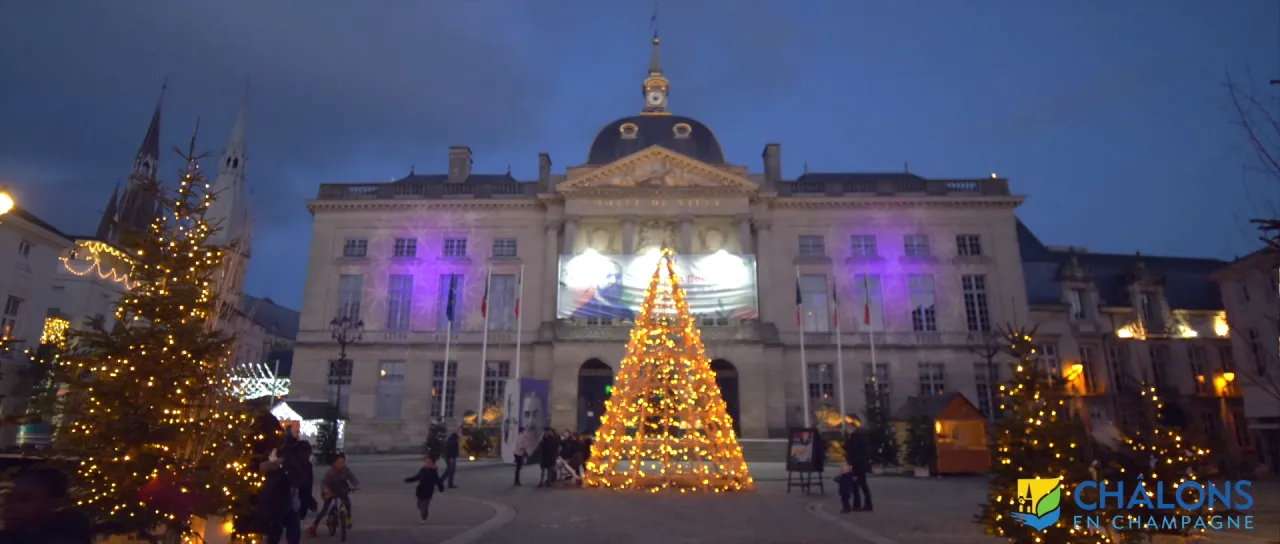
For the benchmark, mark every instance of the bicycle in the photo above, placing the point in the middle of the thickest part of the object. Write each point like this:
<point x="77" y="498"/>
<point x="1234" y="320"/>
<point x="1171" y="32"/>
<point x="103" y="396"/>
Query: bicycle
<point x="339" y="519"/>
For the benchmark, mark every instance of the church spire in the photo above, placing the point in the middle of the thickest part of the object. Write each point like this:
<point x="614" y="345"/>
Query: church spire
<point x="229" y="212"/>
<point x="137" y="206"/>
<point x="108" y="222"/>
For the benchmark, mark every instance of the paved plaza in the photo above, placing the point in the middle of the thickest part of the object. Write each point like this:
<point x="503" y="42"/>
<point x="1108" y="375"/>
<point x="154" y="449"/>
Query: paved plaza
<point x="487" y="509"/>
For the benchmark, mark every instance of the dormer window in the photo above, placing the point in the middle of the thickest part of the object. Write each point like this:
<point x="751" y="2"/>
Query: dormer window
<point x="682" y="130"/>
<point x="1076" y="298"/>
<point x="1148" y="305"/>
<point x="629" y="131"/>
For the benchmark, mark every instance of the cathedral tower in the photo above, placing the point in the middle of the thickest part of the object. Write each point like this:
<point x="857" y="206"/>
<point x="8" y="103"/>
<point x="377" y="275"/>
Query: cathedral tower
<point x="229" y="212"/>
<point x="136" y="209"/>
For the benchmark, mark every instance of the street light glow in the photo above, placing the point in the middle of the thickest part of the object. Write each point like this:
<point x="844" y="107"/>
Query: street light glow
<point x="6" y="201"/>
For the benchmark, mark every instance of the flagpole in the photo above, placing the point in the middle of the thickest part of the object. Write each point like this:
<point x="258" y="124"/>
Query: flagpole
<point x="444" y="379"/>
<point x="871" y="335"/>
<point x="519" y="329"/>
<point x="484" y="342"/>
<point x="804" y="363"/>
<point x="835" y="299"/>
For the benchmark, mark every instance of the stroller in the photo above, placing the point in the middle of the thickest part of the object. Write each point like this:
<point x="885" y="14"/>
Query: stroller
<point x="566" y="474"/>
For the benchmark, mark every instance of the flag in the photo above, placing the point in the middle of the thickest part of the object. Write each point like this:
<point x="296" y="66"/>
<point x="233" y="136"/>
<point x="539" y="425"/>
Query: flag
<point x="484" y="302"/>
<point x="835" y="306"/>
<point x="799" y="302"/>
<point x="866" y="300"/>
<point x="519" y="285"/>
<point x="453" y="298"/>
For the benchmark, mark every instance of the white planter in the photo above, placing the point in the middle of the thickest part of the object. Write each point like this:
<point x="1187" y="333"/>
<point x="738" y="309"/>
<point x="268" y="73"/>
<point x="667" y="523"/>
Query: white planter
<point x="922" y="472"/>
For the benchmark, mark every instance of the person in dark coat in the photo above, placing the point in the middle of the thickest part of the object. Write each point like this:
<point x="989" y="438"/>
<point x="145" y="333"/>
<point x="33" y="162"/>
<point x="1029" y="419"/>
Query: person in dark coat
<point x="857" y="458"/>
<point x="32" y="514"/>
<point x="286" y="493"/>
<point x="452" y="447"/>
<point x="428" y="482"/>
<point x="548" y="451"/>
<point x="584" y="448"/>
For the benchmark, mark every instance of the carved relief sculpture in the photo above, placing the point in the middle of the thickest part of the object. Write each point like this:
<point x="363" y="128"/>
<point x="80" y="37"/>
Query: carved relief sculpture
<point x="657" y="234"/>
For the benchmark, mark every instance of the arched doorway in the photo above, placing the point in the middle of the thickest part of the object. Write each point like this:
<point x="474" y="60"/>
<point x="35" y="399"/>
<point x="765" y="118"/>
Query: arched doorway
<point x="595" y="384"/>
<point x="727" y="379"/>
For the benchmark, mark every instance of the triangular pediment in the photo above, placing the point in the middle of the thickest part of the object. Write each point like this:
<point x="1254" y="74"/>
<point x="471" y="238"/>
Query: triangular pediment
<point x="657" y="168"/>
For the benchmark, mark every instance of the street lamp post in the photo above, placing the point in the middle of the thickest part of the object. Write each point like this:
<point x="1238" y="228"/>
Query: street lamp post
<point x="6" y="200"/>
<point x="345" y="330"/>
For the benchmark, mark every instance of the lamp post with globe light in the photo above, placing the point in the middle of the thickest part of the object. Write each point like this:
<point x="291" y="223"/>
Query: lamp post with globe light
<point x="345" y="330"/>
<point x="6" y="200"/>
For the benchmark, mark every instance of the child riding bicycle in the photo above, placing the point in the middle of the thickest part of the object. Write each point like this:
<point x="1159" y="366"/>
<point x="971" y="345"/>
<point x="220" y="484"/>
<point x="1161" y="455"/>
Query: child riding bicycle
<point x="338" y="483"/>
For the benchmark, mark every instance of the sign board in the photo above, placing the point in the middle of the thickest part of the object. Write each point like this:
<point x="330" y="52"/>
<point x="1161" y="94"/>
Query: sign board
<point x="717" y="286"/>
<point x="802" y="450"/>
<point x="524" y="406"/>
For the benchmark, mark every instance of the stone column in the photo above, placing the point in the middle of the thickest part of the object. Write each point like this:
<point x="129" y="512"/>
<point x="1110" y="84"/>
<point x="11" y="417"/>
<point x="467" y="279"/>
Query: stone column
<point x="744" y="235"/>
<point x="570" y="236"/>
<point x="552" y="244"/>
<point x="628" y="235"/>
<point x="686" y="234"/>
<point x="763" y="277"/>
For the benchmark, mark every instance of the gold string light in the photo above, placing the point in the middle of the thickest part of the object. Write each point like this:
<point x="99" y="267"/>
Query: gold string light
<point x="666" y="425"/>
<point x="91" y="256"/>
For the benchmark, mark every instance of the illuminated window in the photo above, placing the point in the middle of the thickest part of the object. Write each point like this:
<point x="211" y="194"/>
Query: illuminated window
<point x="9" y="321"/>
<point x="495" y="381"/>
<point x="350" y="293"/>
<point x="976" y="315"/>
<point x="924" y="311"/>
<point x="916" y="245"/>
<point x="933" y="378"/>
<point x="877" y="385"/>
<point x="355" y="247"/>
<point x="863" y="245"/>
<point x="455" y="247"/>
<point x="399" y="302"/>
<point x="405" y="247"/>
<point x="812" y="246"/>
<point x="822" y="383"/>
<point x="504" y="247"/>
<point x="438" y="384"/>
<point x="390" y="391"/>
<point x="968" y="245"/>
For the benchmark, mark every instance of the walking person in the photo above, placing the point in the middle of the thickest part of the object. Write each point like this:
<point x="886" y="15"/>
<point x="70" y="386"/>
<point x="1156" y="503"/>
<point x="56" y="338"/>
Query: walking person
<point x="428" y="482"/>
<point x="452" y="447"/>
<point x="548" y="452"/>
<point x="524" y="445"/>
<point x="858" y="460"/>
<point x="286" y="491"/>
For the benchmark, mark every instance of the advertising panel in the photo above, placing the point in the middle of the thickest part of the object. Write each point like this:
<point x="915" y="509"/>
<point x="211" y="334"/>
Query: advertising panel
<point x="524" y="405"/>
<point x="592" y="285"/>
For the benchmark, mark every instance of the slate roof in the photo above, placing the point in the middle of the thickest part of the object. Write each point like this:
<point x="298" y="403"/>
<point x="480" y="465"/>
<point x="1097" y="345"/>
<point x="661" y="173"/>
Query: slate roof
<point x="276" y="319"/>
<point x="651" y="130"/>
<point x="928" y="406"/>
<point x="310" y="410"/>
<point x="474" y="179"/>
<point x="31" y="218"/>
<point x="1187" y="284"/>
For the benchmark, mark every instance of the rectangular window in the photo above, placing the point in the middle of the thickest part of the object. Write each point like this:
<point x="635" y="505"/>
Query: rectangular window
<point x="438" y="385"/>
<point x="987" y="377"/>
<point x="337" y="388"/>
<point x="405" y="247"/>
<point x="822" y="384"/>
<point x="1089" y="360"/>
<point x="916" y="245"/>
<point x="867" y="295"/>
<point x="399" y="302"/>
<point x="1076" y="298"/>
<point x="1159" y="364"/>
<point x="455" y="247"/>
<point x="863" y="245"/>
<point x="1255" y="353"/>
<point x="812" y="246"/>
<point x="1209" y="420"/>
<point x="1046" y="356"/>
<point x="502" y="302"/>
<point x="924" y="311"/>
<point x="933" y="378"/>
<point x="1200" y="378"/>
<point x="350" y="293"/>
<point x="968" y="245"/>
<point x="1227" y="358"/>
<point x="355" y="247"/>
<point x="24" y="249"/>
<point x="1242" y="429"/>
<point x="495" y="383"/>
<point x="816" y="299"/>
<point x="449" y="283"/>
<point x="1118" y="354"/>
<point x="1152" y="319"/>
<point x="390" y="391"/>
<point x="877" y="385"/>
<point x="504" y="247"/>
<point x="976" y="315"/>
<point x="9" y="321"/>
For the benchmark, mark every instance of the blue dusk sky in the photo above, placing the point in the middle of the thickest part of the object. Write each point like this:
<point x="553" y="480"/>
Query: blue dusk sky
<point x="1111" y="117"/>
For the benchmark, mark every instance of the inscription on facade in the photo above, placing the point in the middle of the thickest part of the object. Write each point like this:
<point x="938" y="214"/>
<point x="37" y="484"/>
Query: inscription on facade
<point x="659" y="202"/>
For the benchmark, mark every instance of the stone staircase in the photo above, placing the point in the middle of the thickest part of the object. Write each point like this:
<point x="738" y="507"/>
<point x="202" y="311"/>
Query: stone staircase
<point x="764" y="450"/>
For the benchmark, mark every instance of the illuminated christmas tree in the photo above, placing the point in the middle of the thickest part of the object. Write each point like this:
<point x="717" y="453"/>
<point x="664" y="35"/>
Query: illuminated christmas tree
<point x="150" y="412"/>
<point x="1039" y="438"/>
<point x="666" y="424"/>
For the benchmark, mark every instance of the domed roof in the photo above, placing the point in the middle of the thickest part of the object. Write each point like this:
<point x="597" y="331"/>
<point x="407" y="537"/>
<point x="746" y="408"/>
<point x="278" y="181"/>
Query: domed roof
<point x="631" y="134"/>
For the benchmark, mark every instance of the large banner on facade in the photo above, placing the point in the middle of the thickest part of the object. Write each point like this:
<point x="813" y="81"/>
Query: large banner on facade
<point x="524" y="406"/>
<point x="719" y="286"/>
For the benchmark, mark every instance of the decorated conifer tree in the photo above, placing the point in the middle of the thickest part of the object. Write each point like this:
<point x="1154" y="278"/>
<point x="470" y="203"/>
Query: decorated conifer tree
<point x="151" y="419"/>
<point x="1161" y="459"/>
<point x="882" y="438"/>
<point x="1038" y="439"/>
<point x="666" y="424"/>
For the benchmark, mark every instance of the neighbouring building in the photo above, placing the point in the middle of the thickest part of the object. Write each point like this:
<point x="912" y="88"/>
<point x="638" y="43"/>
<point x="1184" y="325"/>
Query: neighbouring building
<point x="1250" y="289"/>
<point x="923" y="268"/>
<point x="29" y="250"/>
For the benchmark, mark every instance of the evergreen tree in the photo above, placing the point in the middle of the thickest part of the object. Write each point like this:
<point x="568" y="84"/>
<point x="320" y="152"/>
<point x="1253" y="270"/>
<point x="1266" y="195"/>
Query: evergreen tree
<point x="666" y="424"/>
<point x="1039" y="438"/>
<point x="882" y="438"/>
<point x="922" y="445"/>
<point x="150" y="413"/>
<point x="326" y="449"/>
